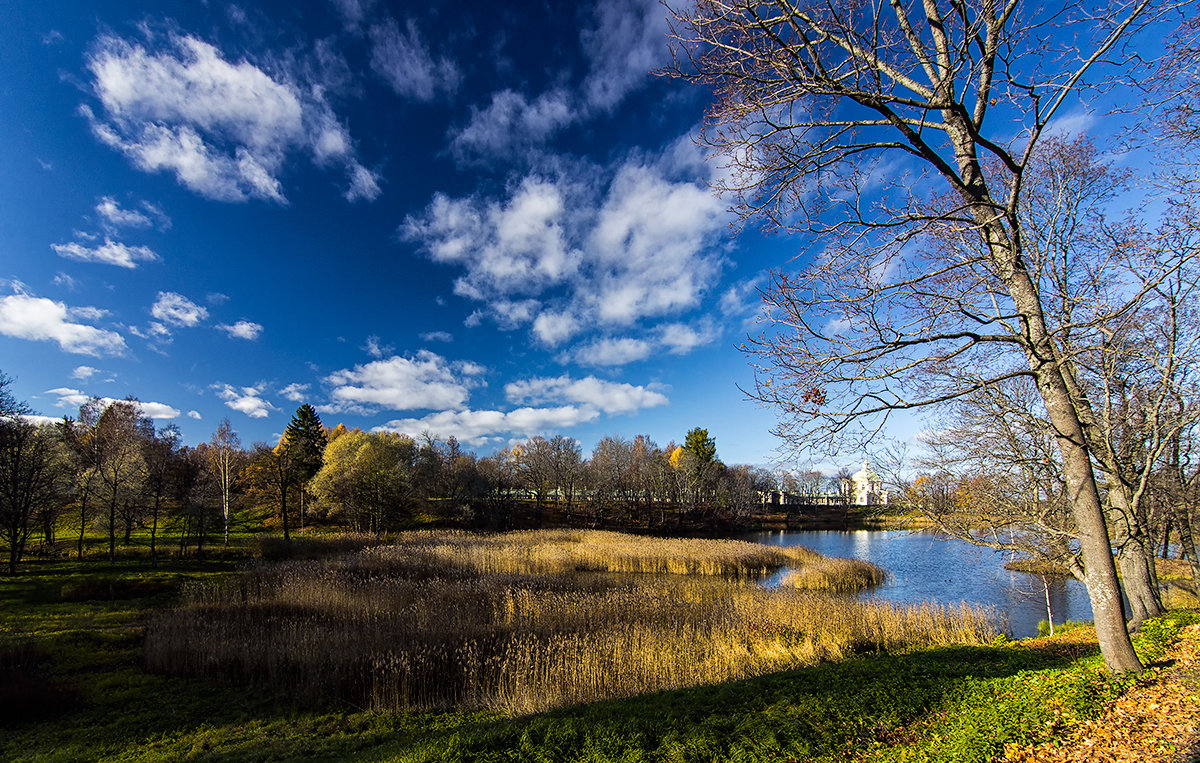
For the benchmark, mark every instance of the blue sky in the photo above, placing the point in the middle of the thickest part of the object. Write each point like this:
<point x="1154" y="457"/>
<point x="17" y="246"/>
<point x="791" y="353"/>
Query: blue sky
<point x="485" y="220"/>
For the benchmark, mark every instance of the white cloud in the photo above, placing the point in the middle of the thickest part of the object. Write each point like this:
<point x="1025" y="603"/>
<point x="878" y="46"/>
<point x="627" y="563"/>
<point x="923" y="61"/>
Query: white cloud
<point x="649" y="243"/>
<point x="223" y="129"/>
<point x="242" y="329"/>
<point x="628" y="42"/>
<point x="477" y="427"/>
<point x="511" y="122"/>
<point x="109" y="253"/>
<point x="83" y="373"/>
<point x="295" y="392"/>
<point x="73" y="399"/>
<point x="402" y="59"/>
<point x="37" y="318"/>
<point x="553" y="328"/>
<point x="556" y="257"/>
<point x="364" y="184"/>
<point x="507" y="248"/>
<point x="400" y="384"/>
<point x="609" y="352"/>
<point x="87" y="313"/>
<point x="65" y="281"/>
<point x="680" y="338"/>
<point x="606" y="396"/>
<point x="194" y="415"/>
<point x="437" y="336"/>
<point x="112" y="212"/>
<point x="177" y="310"/>
<point x="375" y="349"/>
<point x="247" y="400"/>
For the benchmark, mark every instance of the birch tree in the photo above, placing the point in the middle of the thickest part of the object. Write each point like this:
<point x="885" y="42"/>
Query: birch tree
<point x="225" y="461"/>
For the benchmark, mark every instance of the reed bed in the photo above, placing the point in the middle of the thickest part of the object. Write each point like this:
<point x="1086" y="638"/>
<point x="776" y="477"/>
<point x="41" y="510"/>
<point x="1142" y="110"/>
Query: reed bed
<point x="835" y="575"/>
<point x="436" y="622"/>
<point x="562" y="551"/>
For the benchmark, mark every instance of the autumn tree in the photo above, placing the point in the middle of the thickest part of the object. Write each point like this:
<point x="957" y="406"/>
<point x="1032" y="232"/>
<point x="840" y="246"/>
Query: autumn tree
<point x="368" y="477"/>
<point x="272" y="474"/>
<point x="870" y="128"/>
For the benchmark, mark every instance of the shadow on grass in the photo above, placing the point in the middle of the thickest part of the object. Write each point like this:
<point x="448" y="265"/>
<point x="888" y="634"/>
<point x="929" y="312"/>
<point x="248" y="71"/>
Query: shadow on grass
<point x="830" y="711"/>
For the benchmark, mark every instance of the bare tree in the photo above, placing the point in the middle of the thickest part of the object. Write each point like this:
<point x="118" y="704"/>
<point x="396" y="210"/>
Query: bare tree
<point x="117" y="438"/>
<point x="868" y="124"/>
<point x="226" y="459"/>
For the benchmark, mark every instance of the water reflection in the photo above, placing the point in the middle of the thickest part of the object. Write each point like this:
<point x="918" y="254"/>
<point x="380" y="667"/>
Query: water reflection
<point x="926" y="566"/>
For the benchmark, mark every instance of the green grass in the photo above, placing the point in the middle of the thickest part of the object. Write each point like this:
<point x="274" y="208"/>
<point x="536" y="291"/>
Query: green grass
<point x="97" y="703"/>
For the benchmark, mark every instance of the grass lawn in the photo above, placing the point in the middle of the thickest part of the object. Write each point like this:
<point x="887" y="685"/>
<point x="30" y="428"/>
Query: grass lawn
<point x="72" y="687"/>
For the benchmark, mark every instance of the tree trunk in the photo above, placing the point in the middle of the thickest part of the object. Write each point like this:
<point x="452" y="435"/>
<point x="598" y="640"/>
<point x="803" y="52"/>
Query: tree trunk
<point x="1099" y="569"/>
<point x="283" y="511"/>
<point x="1139" y="582"/>
<point x="1187" y="542"/>
<point x="112" y="528"/>
<point x="154" y="533"/>
<point x="82" y="522"/>
<point x="1135" y="555"/>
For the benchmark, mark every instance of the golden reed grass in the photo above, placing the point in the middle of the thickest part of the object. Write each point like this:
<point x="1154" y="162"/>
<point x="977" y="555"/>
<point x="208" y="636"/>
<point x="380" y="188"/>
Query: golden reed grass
<point x="524" y="622"/>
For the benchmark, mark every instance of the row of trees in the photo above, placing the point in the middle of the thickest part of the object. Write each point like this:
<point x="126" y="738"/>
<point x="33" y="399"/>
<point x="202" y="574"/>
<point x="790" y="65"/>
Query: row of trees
<point x="110" y="470"/>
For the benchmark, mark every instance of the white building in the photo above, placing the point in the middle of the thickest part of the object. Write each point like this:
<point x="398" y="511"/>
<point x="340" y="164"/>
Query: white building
<point x="865" y="488"/>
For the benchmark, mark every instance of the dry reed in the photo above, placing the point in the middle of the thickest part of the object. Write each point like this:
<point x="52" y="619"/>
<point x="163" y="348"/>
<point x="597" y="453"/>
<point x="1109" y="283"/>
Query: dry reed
<point x="835" y="575"/>
<point x="524" y="622"/>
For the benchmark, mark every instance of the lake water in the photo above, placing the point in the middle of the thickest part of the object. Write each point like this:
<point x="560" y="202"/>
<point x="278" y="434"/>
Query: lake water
<point x="927" y="566"/>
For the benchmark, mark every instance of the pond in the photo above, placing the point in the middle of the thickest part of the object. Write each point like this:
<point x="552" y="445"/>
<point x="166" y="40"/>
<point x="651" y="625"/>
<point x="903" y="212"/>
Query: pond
<point x="928" y="566"/>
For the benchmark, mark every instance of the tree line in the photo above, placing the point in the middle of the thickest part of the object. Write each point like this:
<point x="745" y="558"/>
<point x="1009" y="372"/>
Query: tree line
<point x="109" y="472"/>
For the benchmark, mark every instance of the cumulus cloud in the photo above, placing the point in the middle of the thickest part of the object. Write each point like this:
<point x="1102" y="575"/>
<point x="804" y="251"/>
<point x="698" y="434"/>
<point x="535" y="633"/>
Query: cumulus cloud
<point x="83" y="373"/>
<point x="194" y="415"/>
<point x="605" y="396"/>
<point x="554" y="328"/>
<point x="609" y="352"/>
<point x="242" y="329"/>
<point x="247" y="400"/>
<point x="40" y="319"/>
<point x="437" y="336"/>
<point x="404" y="62"/>
<point x="177" y="310"/>
<point x="223" y="129"/>
<point x="295" y="392"/>
<point x="680" y="338"/>
<point x="478" y="427"/>
<point x="559" y="257"/>
<point x="109" y="253"/>
<point x="73" y="399"/>
<point x="507" y="248"/>
<point x="426" y="380"/>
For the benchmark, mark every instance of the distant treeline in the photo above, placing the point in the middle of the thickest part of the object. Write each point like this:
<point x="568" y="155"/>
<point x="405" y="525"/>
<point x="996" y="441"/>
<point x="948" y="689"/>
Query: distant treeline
<point x="110" y="471"/>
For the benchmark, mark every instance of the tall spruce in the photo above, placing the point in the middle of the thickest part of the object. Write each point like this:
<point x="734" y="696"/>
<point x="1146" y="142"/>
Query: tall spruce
<point x="306" y="440"/>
